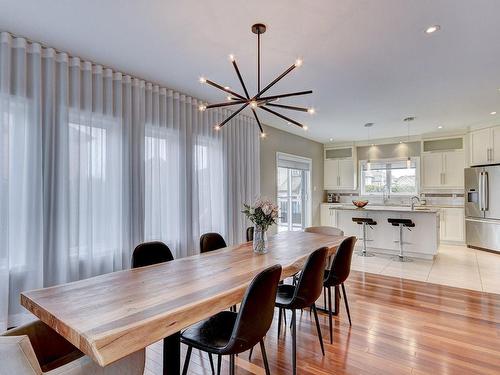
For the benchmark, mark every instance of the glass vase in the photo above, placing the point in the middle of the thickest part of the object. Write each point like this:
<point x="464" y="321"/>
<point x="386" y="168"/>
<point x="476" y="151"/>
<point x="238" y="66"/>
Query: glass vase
<point x="259" y="240"/>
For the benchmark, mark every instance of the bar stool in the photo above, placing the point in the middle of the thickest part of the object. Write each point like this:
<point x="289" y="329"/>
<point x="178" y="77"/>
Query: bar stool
<point x="402" y="223"/>
<point x="365" y="222"/>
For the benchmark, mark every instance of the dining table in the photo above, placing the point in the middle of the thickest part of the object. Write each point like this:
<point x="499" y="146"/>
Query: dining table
<point x="111" y="316"/>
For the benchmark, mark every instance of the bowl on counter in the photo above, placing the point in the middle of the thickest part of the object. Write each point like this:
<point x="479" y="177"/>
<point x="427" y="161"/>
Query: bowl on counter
<point x="359" y="203"/>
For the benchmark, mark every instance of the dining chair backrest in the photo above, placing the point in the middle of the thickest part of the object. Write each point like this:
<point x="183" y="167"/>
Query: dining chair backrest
<point x="211" y="242"/>
<point x="256" y="311"/>
<point x="149" y="253"/>
<point x="249" y="234"/>
<point x="341" y="264"/>
<point x="330" y="231"/>
<point x="310" y="283"/>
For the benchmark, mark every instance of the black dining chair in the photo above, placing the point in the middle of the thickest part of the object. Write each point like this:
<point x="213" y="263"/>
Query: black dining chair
<point x="149" y="253"/>
<point x="211" y="242"/>
<point x="303" y="294"/>
<point x="338" y="273"/>
<point x="231" y="333"/>
<point x="249" y="234"/>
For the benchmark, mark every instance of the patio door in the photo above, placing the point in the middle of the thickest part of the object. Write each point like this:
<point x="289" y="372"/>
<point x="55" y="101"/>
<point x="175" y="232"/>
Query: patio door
<point x="293" y="185"/>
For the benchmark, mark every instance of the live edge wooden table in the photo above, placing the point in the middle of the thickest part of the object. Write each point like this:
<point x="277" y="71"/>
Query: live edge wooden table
<point x="111" y="316"/>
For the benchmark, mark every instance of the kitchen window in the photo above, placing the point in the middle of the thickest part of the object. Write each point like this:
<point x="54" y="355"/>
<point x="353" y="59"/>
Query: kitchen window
<point x="390" y="177"/>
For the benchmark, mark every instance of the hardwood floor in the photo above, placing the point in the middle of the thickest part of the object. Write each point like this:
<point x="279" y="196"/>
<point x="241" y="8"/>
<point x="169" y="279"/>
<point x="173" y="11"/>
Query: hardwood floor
<point x="399" y="327"/>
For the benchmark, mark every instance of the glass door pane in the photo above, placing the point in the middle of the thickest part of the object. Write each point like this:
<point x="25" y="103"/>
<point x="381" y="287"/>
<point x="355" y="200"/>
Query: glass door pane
<point x="292" y="195"/>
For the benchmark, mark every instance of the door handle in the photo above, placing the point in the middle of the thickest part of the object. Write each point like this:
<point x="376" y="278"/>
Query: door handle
<point x="480" y="188"/>
<point x="486" y="192"/>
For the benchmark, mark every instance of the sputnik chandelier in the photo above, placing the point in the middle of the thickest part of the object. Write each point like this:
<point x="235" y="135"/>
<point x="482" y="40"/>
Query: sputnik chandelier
<point x="258" y="101"/>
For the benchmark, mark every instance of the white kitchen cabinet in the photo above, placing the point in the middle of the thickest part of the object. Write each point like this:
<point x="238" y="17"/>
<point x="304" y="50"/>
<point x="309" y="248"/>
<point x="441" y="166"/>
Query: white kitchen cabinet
<point x="453" y="169"/>
<point x="328" y="215"/>
<point x="340" y="169"/>
<point x="495" y="137"/>
<point x="331" y="180"/>
<point x="485" y="146"/>
<point x="432" y="170"/>
<point x="452" y="225"/>
<point x="347" y="174"/>
<point x="443" y="170"/>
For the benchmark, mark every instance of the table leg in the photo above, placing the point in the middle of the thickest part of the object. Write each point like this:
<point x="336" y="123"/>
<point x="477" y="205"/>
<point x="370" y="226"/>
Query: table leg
<point x="172" y="354"/>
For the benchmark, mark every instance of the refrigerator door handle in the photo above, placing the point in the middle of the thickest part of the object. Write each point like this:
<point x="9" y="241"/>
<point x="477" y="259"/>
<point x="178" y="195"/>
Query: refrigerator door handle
<point x="486" y="192"/>
<point x="480" y="191"/>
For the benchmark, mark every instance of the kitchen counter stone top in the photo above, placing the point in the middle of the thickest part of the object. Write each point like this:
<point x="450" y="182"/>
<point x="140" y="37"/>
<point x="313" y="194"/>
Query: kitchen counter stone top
<point x="389" y="208"/>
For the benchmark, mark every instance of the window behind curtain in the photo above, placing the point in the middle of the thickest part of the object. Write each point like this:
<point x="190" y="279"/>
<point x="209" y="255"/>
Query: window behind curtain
<point x="95" y="192"/>
<point x="162" y="186"/>
<point x="390" y="177"/>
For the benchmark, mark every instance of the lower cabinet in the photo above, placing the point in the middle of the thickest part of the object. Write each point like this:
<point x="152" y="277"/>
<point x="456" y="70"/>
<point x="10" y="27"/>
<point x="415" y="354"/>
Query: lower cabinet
<point x="452" y="225"/>
<point x="328" y="215"/>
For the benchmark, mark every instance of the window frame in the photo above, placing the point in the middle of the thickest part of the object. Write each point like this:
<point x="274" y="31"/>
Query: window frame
<point x="387" y="191"/>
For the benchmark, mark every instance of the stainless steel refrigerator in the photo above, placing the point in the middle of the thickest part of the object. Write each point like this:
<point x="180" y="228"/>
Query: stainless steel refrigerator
<point x="482" y="207"/>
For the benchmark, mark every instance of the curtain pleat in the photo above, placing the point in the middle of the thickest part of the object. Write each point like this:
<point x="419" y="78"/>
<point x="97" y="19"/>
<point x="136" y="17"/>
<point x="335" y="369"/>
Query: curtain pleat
<point x="93" y="162"/>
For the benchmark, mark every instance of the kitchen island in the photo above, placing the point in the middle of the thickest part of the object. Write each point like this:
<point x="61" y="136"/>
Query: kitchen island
<point x="422" y="240"/>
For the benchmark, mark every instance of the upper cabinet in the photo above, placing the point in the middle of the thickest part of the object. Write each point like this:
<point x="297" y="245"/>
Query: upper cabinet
<point x="340" y="168"/>
<point x="443" y="163"/>
<point x="485" y="146"/>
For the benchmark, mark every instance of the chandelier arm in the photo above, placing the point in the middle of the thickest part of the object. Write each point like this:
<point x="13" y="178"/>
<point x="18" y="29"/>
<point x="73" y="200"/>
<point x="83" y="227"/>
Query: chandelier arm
<point x="216" y="85"/>
<point x="275" y="81"/>
<point x="234" y="114"/>
<point x="225" y="104"/>
<point x="258" y="121"/>
<point x="241" y="79"/>
<point x="282" y="116"/>
<point x="301" y="109"/>
<point x="274" y="97"/>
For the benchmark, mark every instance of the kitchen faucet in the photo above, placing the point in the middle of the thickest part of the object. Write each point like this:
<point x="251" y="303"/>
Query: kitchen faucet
<point x="412" y="201"/>
<point x="385" y="195"/>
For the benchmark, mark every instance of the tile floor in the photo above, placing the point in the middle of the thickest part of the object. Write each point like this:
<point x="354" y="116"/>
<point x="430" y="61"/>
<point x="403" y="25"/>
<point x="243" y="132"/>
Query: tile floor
<point x="454" y="265"/>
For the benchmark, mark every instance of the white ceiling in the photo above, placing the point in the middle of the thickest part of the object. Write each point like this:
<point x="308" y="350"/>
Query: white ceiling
<point x="366" y="60"/>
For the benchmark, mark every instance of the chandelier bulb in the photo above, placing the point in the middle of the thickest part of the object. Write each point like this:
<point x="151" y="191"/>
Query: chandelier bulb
<point x="263" y="135"/>
<point x="231" y="58"/>
<point x="298" y="63"/>
<point x="203" y="80"/>
<point x="305" y="127"/>
<point x="202" y="107"/>
<point x="229" y="98"/>
<point x="311" y="111"/>
<point x="253" y="104"/>
<point x="217" y="127"/>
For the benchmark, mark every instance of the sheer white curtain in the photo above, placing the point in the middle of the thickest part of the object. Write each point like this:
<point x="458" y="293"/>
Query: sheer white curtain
<point x="92" y="162"/>
<point x="196" y="178"/>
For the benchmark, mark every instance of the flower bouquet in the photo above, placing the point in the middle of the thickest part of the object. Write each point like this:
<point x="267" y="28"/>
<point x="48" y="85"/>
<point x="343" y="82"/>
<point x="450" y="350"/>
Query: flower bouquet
<point x="262" y="214"/>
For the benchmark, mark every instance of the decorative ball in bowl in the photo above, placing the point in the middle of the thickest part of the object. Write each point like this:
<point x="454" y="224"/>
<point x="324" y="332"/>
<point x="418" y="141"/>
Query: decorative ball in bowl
<point x="359" y="204"/>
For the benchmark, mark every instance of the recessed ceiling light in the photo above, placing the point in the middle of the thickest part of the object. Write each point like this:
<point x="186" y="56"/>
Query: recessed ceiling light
<point x="440" y="127"/>
<point x="331" y="139"/>
<point x="432" y="29"/>
<point x="493" y="113"/>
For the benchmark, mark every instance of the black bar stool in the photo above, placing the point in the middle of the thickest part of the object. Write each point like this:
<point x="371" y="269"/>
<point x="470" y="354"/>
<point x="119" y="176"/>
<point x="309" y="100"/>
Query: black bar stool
<point x="402" y="223"/>
<point x="365" y="222"/>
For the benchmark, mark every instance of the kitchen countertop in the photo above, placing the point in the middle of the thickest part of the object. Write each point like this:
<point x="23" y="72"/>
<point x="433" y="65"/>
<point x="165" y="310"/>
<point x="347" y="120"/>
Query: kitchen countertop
<point x="351" y="207"/>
